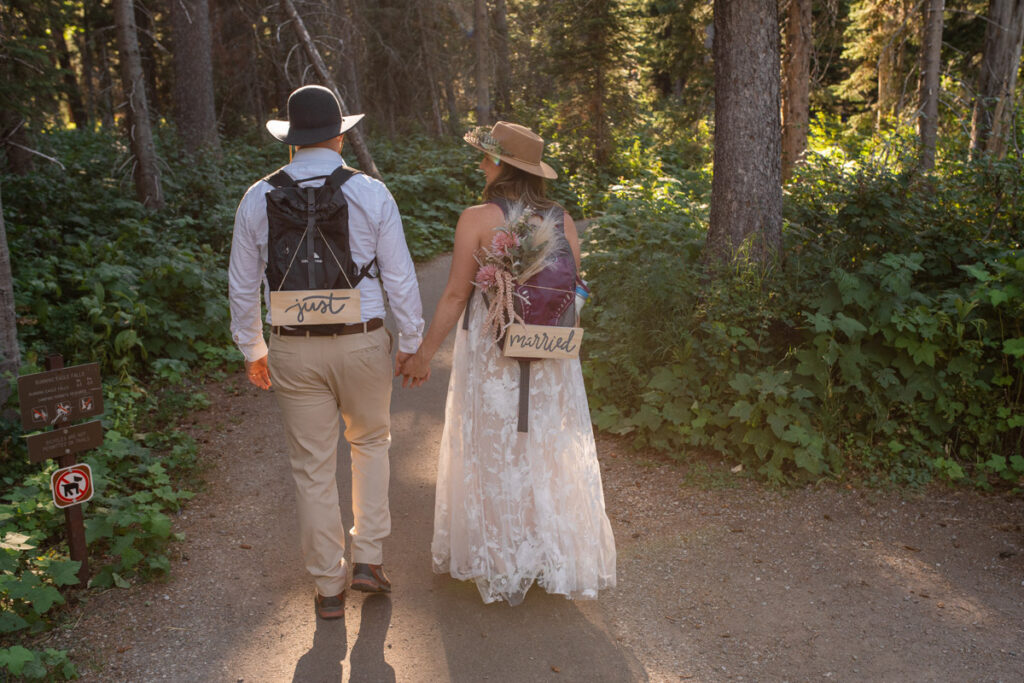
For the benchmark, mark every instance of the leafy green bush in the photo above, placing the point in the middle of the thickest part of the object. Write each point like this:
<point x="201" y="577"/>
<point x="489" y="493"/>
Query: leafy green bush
<point x="432" y="181"/>
<point x="888" y="340"/>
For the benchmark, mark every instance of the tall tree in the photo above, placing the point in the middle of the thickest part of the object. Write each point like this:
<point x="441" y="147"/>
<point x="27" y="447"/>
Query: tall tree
<point x="146" y="172"/>
<point x="354" y="135"/>
<point x="1000" y="63"/>
<point x="345" y="23"/>
<point x="194" y="110"/>
<point x="746" y="186"/>
<point x="482" y="51"/>
<point x="878" y="40"/>
<point x="76" y="105"/>
<point x="10" y="354"/>
<point x="796" y="68"/>
<point x="502" y="67"/>
<point x="928" y="92"/>
<point x="585" y="79"/>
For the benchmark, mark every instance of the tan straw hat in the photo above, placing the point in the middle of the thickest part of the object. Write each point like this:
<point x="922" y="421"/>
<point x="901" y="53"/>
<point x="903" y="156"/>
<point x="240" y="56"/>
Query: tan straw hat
<point x="514" y="144"/>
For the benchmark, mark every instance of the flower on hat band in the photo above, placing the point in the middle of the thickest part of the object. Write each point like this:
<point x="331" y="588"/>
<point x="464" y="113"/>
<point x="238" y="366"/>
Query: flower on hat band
<point x="481" y="136"/>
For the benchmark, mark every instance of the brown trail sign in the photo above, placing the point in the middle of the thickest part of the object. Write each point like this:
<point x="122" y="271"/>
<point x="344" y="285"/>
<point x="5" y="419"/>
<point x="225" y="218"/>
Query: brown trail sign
<point x="53" y="399"/>
<point x="48" y="398"/>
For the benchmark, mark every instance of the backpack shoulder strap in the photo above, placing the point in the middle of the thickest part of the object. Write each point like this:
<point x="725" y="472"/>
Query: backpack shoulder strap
<point x="280" y="179"/>
<point x="339" y="177"/>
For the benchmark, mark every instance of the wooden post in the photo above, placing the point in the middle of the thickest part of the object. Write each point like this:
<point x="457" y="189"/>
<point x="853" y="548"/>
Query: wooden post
<point x="72" y="514"/>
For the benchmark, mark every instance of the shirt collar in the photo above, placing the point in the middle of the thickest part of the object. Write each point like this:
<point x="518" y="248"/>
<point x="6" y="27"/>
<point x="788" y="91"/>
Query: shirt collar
<point x="316" y="155"/>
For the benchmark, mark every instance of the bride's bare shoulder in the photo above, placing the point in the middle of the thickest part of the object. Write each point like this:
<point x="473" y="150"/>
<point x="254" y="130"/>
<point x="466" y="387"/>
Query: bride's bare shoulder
<point x="482" y="216"/>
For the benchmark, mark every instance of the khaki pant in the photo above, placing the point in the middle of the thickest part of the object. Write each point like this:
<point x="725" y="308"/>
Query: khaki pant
<point x="315" y="378"/>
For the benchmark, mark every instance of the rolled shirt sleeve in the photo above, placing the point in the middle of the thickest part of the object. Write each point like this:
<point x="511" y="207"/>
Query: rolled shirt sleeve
<point x="398" y="275"/>
<point x="245" y="274"/>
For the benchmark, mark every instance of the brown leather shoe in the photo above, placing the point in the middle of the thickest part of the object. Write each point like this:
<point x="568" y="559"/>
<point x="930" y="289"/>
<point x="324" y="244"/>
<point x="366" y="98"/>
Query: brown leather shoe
<point x="332" y="607"/>
<point x="370" y="578"/>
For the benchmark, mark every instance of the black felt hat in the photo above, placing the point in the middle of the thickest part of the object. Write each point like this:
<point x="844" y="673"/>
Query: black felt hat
<point x="314" y="115"/>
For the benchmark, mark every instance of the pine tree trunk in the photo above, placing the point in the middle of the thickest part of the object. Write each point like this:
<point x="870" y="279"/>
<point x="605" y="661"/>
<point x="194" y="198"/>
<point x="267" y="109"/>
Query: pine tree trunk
<point x="928" y="93"/>
<point x="483" y="63"/>
<point x="146" y="173"/>
<point x="17" y="142"/>
<point x="451" y="103"/>
<point x="76" y="105"/>
<point x="85" y="49"/>
<point x="144" y="36"/>
<point x="10" y="354"/>
<point x="503" y="76"/>
<point x="194" y="109"/>
<point x="797" y="73"/>
<point x="999" y="65"/>
<point x="746" y="189"/>
<point x="106" y="86"/>
<point x="886" y="69"/>
<point x="354" y="135"/>
<point x="349" y="54"/>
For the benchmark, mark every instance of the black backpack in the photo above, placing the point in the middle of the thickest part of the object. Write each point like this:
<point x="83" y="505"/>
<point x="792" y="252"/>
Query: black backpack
<point x="307" y="236"/>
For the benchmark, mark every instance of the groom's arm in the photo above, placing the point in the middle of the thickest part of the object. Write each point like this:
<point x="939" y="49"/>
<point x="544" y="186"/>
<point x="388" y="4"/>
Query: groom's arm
<point x="398" y="275"/>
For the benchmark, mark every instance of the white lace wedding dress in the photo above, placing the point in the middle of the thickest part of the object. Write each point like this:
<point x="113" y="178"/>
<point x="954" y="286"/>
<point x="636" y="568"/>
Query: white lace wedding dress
<point x="513" y="507"/>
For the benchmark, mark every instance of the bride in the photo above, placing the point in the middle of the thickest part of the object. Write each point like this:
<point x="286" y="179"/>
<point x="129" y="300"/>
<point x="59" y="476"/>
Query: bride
<point x="512" y="507"/>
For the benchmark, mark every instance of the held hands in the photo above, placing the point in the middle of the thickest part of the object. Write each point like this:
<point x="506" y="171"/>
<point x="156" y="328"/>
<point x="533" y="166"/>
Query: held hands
<point x="413" y="367"/>
<point x="258" y="373"/>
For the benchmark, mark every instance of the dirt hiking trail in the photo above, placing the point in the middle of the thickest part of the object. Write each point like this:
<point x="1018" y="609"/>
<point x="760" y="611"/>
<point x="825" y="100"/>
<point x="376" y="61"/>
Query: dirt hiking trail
<point x="719" y="578"/>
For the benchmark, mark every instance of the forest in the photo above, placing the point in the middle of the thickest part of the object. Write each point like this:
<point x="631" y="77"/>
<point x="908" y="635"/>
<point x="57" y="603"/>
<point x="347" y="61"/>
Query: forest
<point x="805" y="221"/>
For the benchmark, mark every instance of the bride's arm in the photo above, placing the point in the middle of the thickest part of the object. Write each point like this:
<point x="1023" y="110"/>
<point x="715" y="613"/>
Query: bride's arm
<point x="474" y="222"/>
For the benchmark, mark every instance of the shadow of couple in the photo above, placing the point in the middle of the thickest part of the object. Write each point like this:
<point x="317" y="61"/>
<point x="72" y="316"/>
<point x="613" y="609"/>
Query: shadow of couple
<point x="330" y="644"/>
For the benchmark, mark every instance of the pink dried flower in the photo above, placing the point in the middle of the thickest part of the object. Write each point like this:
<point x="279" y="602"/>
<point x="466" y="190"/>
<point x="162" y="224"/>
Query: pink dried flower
<point x="487" y="276"/>
<point x="503" y="241"/>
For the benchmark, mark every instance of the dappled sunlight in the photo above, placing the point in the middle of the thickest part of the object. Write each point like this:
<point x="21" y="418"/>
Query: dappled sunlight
<point x="927" y="582"/>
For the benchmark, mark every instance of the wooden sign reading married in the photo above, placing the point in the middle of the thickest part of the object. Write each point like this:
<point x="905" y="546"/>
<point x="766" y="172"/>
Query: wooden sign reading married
<point x="315" y="306"/>
<point x="543" y="341"/>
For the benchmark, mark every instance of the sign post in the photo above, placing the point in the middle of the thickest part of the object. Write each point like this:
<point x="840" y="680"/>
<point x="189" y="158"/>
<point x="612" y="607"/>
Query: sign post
<point x="52" y="399"/>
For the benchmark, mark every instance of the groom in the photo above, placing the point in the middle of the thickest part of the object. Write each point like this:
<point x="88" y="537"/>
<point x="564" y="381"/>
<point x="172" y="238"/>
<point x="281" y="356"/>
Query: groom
<point x="319" y="371"/>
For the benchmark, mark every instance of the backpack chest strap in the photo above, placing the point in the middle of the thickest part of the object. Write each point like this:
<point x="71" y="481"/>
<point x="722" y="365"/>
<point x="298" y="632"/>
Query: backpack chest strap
<point x="310" y="230"/>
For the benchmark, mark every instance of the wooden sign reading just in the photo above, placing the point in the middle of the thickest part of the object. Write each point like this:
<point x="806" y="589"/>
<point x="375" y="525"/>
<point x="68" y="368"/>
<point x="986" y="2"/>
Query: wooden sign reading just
<point x="543" y="341"/>
<point x="315" y="307"/>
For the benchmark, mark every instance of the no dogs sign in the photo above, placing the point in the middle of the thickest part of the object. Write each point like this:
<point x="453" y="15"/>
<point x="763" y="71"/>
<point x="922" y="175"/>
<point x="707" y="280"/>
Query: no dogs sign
<point x="71" y="485"/>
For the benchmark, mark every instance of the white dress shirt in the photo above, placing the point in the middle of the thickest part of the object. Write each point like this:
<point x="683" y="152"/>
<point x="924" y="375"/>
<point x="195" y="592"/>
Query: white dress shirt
<point x="375" y="230"/>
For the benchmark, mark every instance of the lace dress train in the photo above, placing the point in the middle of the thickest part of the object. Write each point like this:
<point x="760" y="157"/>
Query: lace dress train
<point x="513" y="507"/>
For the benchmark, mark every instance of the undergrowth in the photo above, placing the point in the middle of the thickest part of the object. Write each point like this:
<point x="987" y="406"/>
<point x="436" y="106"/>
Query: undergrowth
<point x="887" y="342"/>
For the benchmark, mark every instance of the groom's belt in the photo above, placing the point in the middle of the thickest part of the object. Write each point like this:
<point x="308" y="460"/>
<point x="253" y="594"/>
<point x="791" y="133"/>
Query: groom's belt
<point x="328" y="330"/>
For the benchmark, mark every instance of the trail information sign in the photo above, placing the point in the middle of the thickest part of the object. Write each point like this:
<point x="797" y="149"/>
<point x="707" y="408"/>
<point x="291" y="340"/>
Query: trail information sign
<point x="54" y="399"/>
<point x="64" y="441"/>
<point x="56" y="396"/>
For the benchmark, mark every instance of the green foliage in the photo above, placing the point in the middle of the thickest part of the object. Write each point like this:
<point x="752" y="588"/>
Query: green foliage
<point x="889" y="340"/>
<point x="31" y="78"/>
<point x="29" y="665"/>
<point x="99" y="278"/>
<point x="432" y="181"/>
